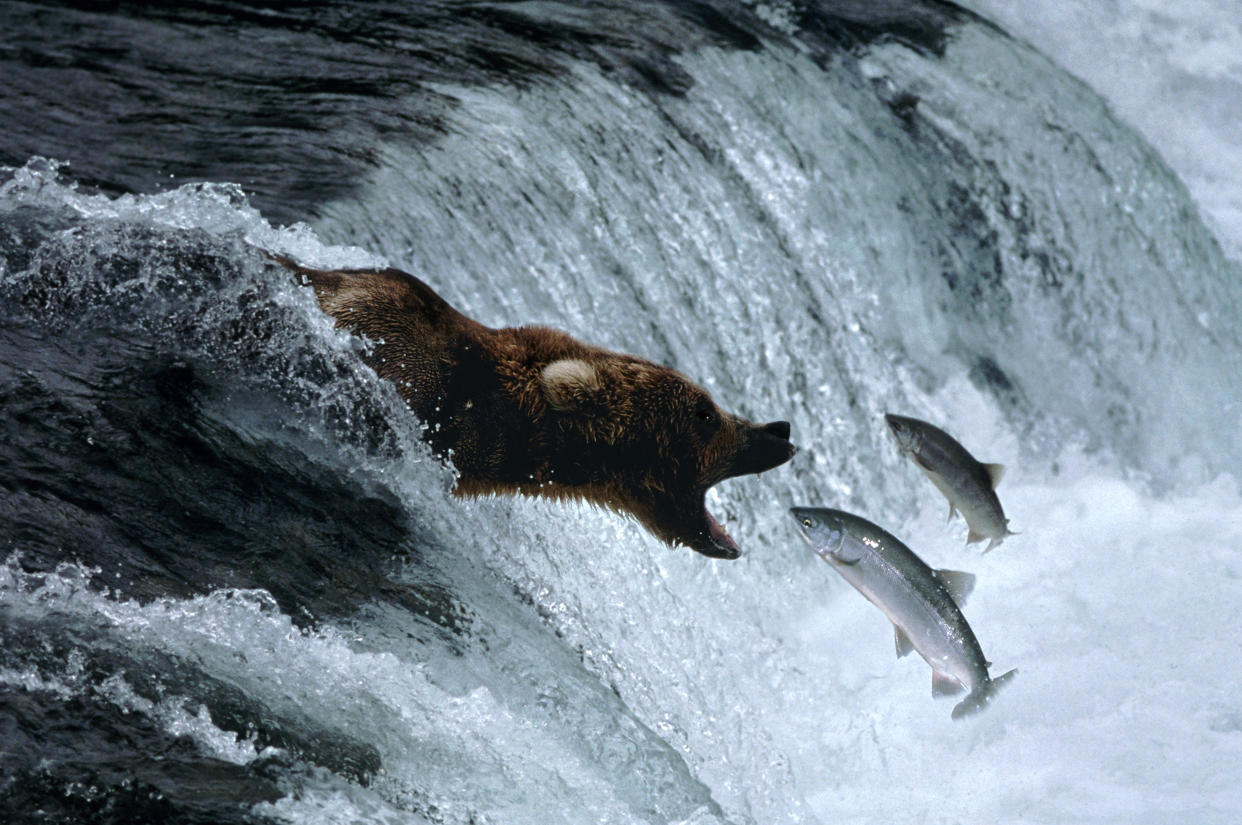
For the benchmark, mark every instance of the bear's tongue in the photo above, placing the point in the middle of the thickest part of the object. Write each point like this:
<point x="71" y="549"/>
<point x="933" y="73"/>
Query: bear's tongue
<point x="724" y="543"/>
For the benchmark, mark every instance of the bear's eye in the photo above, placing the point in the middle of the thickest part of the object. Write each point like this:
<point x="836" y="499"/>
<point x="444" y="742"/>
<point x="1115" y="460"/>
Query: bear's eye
<point x="706" y="419"/>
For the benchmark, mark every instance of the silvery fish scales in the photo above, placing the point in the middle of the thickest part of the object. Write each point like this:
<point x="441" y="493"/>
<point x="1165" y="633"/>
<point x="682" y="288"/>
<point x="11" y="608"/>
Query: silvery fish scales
<point x="922" y="603"/>
<point x="968" y="484"/>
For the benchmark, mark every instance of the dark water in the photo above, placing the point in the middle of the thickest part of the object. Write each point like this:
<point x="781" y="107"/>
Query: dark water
<point x="234" y="586"/>
<point x="112" y="458"/>
<point x="286" y="98"/>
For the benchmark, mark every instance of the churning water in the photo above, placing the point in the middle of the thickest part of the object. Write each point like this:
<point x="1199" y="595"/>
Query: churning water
<point x="235" y="586"/>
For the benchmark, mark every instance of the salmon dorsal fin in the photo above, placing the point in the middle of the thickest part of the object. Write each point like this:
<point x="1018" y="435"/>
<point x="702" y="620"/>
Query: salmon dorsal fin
<point x="995" y="472"/>
<point x="958" y="584"/>
<point x="904" y="644"/>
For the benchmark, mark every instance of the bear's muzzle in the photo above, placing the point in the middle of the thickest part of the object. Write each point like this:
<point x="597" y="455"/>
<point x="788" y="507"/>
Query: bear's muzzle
<point x="765" y="446"/>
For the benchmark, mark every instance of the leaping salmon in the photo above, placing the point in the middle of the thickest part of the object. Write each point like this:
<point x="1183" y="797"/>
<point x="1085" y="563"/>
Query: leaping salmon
<point x="922" y="603"/>
<point x="969" y="485"/>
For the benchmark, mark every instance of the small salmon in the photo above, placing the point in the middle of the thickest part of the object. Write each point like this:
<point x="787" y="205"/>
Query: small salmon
<point x="970" y="486"/>
<point x="922" y="603"/>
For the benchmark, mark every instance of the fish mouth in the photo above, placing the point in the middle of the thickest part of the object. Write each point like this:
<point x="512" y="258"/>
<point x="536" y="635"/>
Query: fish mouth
<point x="901" y="431"/>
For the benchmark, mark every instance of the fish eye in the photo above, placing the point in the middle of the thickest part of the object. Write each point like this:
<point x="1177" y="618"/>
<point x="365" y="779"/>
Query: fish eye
<point x="806" y="522"/>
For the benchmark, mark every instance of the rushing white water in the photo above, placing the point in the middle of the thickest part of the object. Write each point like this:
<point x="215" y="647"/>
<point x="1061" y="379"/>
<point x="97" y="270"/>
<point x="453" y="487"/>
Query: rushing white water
<point x="627" y="682"/>
<point x="1172" y="69"/>
<point x="640" y="239"/>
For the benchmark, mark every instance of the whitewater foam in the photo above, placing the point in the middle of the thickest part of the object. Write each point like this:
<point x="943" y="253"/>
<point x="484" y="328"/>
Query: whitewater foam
<point x="598" y="674"/>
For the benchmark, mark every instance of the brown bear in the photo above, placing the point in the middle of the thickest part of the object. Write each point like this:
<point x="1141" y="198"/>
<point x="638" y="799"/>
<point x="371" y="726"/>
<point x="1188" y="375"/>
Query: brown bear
<point x="531" y="410"/>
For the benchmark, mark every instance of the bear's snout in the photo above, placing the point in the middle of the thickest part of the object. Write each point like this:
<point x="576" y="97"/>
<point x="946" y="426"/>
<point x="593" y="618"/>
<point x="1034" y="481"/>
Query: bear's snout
<point x="780" y="429"/>
<point x="763" y="448"/>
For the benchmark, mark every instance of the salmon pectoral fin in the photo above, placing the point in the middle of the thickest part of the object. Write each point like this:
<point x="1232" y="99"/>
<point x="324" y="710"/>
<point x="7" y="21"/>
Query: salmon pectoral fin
<point x="904" y="645"/>
<point x="943" y="685"/>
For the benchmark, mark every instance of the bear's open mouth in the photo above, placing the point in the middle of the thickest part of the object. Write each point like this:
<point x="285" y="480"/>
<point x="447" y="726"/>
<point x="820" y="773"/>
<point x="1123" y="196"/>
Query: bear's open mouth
<point x="765" y="447"/>
<point x="722" y="542"/>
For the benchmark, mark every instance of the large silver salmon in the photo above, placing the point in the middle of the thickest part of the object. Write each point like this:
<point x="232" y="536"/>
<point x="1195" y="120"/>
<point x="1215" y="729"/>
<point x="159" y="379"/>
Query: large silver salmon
<point x="968" y="484"/>
<point x="922" y="603"/>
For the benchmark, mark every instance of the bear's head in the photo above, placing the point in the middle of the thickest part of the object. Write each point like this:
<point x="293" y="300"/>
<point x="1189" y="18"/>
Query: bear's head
<point x="642" y="438"/>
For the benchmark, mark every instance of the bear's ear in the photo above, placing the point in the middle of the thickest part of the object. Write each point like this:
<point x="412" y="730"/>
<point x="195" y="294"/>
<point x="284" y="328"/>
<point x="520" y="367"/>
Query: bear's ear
<point x="569" y="382"/>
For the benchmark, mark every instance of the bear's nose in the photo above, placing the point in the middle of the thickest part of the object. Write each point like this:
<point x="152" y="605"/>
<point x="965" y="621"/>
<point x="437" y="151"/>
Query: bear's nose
<point x="765" y="446"/>
<point x="780" y="429"/>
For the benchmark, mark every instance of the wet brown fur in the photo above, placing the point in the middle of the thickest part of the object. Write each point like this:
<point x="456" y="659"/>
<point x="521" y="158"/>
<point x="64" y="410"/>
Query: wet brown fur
<point x="604" y="427"/>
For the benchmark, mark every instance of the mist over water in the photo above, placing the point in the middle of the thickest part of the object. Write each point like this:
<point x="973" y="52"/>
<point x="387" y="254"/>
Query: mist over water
<point x="236" y="587"/>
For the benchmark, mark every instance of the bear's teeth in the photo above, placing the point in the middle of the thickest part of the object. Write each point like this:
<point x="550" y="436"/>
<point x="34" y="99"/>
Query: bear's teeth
<point x="719" y="534"/>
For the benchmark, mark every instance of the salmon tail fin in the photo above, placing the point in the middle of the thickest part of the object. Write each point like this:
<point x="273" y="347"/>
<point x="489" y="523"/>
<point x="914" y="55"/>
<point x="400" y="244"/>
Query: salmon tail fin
<point x="981" y="696"/>
<point x="994" y="542"/>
